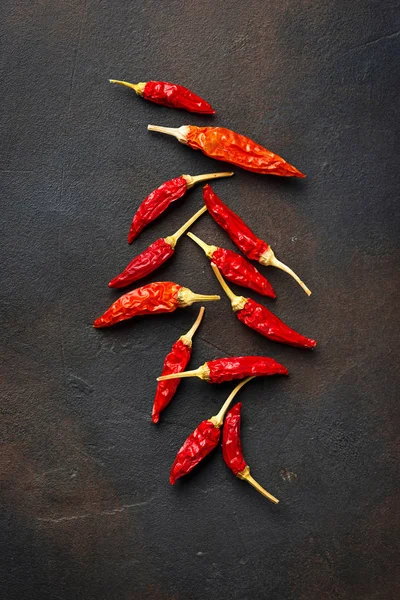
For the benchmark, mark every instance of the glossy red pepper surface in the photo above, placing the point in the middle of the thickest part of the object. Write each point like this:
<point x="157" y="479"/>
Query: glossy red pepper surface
<point x="261" y="319"/>
<point x="157" y="297"/>
<point x="199" y="443"/>
<point x="231" y="443"/>
<point x="238" y="270"/>
<point x="235" y="227"/>
<point x="238" y="367"/>
<point x="174" y="362"/>
<point x="156" y="203"/>
<point x="176" y="96"/>
<point x="145" y="263"/>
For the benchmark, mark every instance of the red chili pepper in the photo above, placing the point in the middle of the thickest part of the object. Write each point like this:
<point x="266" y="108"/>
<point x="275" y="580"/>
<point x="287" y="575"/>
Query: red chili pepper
<point x="242" y="236"/>
<point x="232" y="451"/>
<point x="236" y="268"/>
<point x="161" y="198"/>
<point x="234" y="367"/>
<point x="174" y="362"/>
<point x="202" y="441"/>
<point x="258" y="317"/>
<point x="169" y="94"/>
<point x="153" y="257"/>
<point x="229" y="146"/>
<point x="151" y="299"/>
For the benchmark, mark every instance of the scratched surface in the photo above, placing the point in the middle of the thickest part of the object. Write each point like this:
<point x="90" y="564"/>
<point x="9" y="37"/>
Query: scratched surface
<point x="87" y="510"/>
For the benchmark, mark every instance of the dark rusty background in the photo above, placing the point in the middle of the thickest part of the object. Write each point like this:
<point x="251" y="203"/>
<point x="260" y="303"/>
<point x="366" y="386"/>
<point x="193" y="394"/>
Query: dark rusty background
<point x="87" y="510"/>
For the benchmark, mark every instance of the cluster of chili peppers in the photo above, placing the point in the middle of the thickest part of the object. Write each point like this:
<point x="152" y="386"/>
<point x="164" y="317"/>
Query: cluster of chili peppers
<point x="166" y="296"/>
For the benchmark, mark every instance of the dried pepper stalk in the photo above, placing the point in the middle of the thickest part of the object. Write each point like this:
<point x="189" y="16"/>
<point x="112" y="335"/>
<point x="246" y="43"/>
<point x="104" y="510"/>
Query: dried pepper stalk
<point x="174" y="362"/>
<point x="236" y="268"/>
<point x="169" y="94"/>
<point x="151" y="299"/>
<point x="243" y="237"/>
<point x="258" y="317"/>
<point x="202" y="441"/>
<point x="229" y="146"/>
<point x="161" y="198"/>
<point x="232" y="451"/>
<point x="153" y="257"/>
<point x="234" y="367"/>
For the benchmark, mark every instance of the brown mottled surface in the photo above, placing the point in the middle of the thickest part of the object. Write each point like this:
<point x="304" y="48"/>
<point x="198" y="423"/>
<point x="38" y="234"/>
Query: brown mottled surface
<point x="87" y="510"/>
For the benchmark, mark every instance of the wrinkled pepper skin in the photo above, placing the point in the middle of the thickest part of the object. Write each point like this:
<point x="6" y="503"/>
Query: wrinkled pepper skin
<point x="156" y="203"/>
<point x="154" y="298"/>
<point x="239" y="367"/>
<point x="199" y="443"/>
<point x="223" y="144"/>
<point x="259" y="318"/>
<point x="231" y="442"/>
<point x="175" y="362"/>
<point x="176" y="96"/>
<point x="238" y="270"/>
<point x="235" y="227"/>
<point x="145" y="263"/>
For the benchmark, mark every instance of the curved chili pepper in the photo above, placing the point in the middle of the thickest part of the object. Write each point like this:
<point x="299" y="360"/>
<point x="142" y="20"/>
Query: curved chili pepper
<point x="234" y="367"/>
<point x="236" y="268"/>
<point x="174" y="362"/>
<point x="258" y="317"/>
<point x="151" y="299"/>
<point x="161" y="198"/>
<point x="229" y="146"/>
<point x="169" y="94"/>
<point x="232" y="451"/>
<point x="243" y="237"/>
<point x="202" y="441"/>
<point x="153" y="257"/>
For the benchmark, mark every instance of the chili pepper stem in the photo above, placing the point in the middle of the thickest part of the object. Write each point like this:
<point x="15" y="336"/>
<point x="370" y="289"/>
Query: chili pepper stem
<point x="218" y="419"/>
<point x="237" y="302"/>
<point x="179" y="132"/>
<point x="187" y="338"/>
<point x="136" y="87"/>
<point x="245" y="474"/>
<point x="193" y="179"/>
<point x="172" y="239"/>
<point x="268" y="258"/>
<point x="209" y="250"/>
<point x="186" y="297"/>
<point x="202" y="372"/>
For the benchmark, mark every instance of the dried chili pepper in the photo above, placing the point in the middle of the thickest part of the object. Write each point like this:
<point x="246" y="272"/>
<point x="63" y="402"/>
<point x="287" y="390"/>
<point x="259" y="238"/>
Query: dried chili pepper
<point x="151" y="299"/>
<point x="232" y="451"/>
<point x="153" y="257"/>
<point x="236" y="268"/>
<point x="161" y="198"/>
<point x="229" y="146"/>
<point x="169" y="94"/>
<point x="202" y="441"/>
<point x="243" y="237"/>
<point x="258" y="317"/>
<point x="175" y="362"/>
<point x="234" y="367"/>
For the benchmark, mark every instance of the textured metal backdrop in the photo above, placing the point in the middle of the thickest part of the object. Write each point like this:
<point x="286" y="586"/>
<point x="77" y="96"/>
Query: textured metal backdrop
<point x="87" y="508"/>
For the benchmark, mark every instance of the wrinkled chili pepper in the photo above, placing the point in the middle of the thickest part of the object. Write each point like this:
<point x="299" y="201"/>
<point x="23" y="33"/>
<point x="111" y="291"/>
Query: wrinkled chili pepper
<point x="232" y="451"/>
<point x="169" y="94"/>
<point x="243" y="237"/>
<point x="202" y="441"/>
<point x="153" y="257"/>
<point x="151" y="299"/>
<point x="258" y="317"/>
<point x="229" y="146"/>
<point x="161" y="198"/>
<point x="236" y="268"/>
<point x="174" y="362"/>
<point x="234" y="367"/>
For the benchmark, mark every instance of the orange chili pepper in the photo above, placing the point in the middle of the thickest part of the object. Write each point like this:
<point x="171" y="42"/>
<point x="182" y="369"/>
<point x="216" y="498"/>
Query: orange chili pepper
<point x="229" y="146"/>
